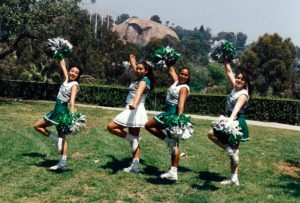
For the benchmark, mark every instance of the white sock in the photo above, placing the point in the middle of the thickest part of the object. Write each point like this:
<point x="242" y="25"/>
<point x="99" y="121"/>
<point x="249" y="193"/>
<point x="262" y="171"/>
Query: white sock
<point x="63" y="160"/>
<point x="53" y="137"/>
<point x="173" y="169"/>
<point x="234" y="176"/>
<point x="135" y="160"/>
<point x="229" y="150"/>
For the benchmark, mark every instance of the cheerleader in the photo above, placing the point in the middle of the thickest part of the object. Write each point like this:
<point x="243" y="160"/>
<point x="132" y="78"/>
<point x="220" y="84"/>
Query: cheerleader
<point x="175" y="102"/>
<point x="134" y="116"/>
<point x="235" y="108"/>
<point x="66" y="95"/>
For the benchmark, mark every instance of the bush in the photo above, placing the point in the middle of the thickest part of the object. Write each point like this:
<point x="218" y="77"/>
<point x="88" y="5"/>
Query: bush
<point x="263" y="109"/>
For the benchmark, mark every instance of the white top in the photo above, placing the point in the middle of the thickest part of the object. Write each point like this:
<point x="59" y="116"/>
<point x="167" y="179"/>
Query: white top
<point x="64" y="93"/>
<point x="133" y="88"/>
<point x="232" y="99"/>
<point x="173" y="93"/>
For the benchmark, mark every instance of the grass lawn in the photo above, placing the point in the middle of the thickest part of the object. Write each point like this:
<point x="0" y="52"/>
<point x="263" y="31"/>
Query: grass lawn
<point x="269" y="166"/>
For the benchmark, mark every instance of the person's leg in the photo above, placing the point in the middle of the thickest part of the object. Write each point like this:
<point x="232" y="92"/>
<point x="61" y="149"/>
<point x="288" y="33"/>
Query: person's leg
<point x="153" y="127"/>
<point x="175" y="157"/>
<point x="213" y="138"/>
<point x="234" y="159"/>
<point x="41" y="126"/>
<point x="134" y="139"/>
<point x="62" y="164"/>
<point x="116" y="129"/>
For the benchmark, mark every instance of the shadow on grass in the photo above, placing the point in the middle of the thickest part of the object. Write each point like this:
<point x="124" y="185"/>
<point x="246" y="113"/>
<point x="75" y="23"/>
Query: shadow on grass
<point x="208" y="178"/>
<point x="116" y="164"/>
<point x="34" y="155"/>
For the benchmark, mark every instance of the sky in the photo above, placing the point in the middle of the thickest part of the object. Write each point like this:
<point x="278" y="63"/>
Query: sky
<point x="251" y="17"/>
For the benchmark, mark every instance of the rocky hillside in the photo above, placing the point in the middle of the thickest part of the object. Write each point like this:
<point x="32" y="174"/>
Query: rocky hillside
<point x="140" y="31"/>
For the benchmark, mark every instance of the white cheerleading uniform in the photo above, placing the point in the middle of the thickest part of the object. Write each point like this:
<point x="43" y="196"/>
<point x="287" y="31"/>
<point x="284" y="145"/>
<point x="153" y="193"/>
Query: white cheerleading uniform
<point x="138" y="117"/>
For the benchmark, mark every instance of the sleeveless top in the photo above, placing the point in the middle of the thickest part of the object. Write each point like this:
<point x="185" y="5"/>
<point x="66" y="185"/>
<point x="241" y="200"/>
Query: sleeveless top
<point x="173" y="93"/>
<point x="133" y="88"/>
<point x="232" y="99"/>
<point x="64" y="93"/>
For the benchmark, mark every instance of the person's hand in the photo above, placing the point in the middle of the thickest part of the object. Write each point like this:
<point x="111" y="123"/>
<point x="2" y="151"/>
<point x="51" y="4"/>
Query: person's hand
<point x="132" y="107"/>
<point x="73" y="111"/>
<point x="228" y="123"/>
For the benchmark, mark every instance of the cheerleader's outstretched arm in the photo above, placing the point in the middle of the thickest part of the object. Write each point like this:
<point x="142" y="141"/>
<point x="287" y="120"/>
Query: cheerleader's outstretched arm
<point x="173" y="73"/>
<point x="229" y="73"/>
<point x="138" y="95"/>
<point x="64" y="68"/>
<point x="132" y="61"/>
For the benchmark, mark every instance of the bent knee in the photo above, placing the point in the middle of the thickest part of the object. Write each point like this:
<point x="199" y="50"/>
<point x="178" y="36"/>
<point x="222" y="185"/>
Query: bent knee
<point x="210" y="134"/>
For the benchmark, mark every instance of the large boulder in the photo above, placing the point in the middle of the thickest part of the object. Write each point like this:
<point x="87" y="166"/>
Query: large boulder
<point x="139" y="31"/>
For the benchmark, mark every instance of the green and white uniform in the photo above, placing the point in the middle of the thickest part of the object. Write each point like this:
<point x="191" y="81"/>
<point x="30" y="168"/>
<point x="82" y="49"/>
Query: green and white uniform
<point x="61" y="104"/>
<point x="172" y="100"/>
<point x="137" y="117"/>
<point x="231" y="102"/>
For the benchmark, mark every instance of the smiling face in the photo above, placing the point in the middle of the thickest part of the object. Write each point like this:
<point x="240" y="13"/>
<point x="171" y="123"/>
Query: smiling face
<point x="240" y="82"/>
<point x="140" y="71"/>
<point x="184" y="76"/>
<point x="74" y="73"/>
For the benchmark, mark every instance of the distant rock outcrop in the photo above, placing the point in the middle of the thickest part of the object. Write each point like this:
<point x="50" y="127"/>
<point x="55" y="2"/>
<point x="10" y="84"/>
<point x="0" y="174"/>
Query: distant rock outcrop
<point x="139" y="31"/>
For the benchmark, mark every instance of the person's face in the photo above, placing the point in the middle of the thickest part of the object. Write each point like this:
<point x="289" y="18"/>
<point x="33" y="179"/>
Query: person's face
<point x="140" y="71"/>
<point x="73" y="73"/>
<point x="240" y="82"/>
<point x="184" y="75"/>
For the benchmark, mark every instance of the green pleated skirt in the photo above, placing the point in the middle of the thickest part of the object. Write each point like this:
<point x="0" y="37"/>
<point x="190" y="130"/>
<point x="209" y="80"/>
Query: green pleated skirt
<point x="221" y="136"/>
<point x="170" y="110"/>
<point x="60" y="109"/>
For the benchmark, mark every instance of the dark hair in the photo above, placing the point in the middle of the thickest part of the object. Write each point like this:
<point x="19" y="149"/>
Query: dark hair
<point x="80" y="71"/>
<point x="186" y="68"/>
<point x="148" y="67"/>
<point x="247" y="80"/>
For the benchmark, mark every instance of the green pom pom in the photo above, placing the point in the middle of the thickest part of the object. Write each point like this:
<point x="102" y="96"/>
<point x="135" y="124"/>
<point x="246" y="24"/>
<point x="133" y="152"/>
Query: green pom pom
<point x="223" y="51"/>
<point x="58" y="48"/>
<point x="164" y="57"/>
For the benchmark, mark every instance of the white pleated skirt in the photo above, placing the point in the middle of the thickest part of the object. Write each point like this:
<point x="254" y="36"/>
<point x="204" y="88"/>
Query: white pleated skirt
<point x="132" y="118"/>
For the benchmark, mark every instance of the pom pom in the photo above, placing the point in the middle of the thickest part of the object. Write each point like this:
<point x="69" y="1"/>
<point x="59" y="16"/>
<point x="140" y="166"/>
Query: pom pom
<point x="71" y="123"/>
<point x="229" y="128"/>
<point x="58" y="48"/>
<point x="164" y="57"/>
<point x="179" y="126"/>
<point x="223" y="51"/>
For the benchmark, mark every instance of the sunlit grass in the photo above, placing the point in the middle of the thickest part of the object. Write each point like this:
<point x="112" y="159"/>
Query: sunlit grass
<point x="96" y="159"/>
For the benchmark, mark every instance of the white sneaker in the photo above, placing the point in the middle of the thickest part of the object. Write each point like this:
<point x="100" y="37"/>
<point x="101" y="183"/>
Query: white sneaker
<point x="58" y="166"/>
<point x="59" y="145"/>
<point x="230" y="182"/>
<point x="169" y="175"/>
<point x="135" y="168"/>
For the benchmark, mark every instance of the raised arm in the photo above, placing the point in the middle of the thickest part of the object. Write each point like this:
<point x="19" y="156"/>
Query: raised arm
<point x="74" y="91"/>
<point x="173" y="73"/>
<point x="64" y="69"/>
<point x="132" y="61"/>
<point x="138" y="95"/>
<point x="183" y="94"/>
<point x="229" y="73"/>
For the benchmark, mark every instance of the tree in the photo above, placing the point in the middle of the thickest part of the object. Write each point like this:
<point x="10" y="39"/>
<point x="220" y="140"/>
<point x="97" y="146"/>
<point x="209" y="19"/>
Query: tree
<point x="121" y="18"/>
<point x="156" y="18"/>
<point x="269" y="63"/>
<point x="33" y="19"/>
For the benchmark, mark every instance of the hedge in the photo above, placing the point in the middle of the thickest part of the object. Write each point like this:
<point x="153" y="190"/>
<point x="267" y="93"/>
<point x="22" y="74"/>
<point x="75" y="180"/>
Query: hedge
<point x="263" y="109"/>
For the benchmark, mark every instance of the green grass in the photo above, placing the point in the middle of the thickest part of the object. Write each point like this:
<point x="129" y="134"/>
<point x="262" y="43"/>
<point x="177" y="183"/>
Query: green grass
<point x="26" y="155"/>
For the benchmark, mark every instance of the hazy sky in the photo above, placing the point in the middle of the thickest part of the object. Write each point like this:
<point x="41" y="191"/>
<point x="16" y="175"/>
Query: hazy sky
<point x="252" y="17"/>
